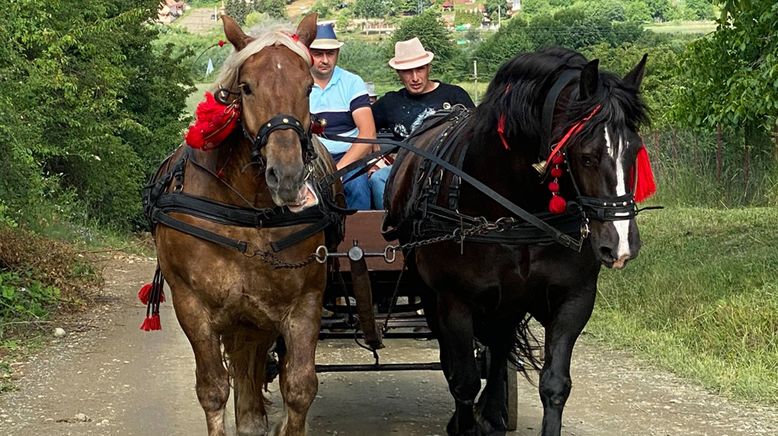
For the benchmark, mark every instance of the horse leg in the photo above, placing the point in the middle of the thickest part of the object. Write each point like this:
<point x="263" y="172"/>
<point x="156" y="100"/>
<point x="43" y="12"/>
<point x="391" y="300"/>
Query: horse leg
<point x="297" y="377"/>
<point x="491" y="409"/>
<point x="566" y="323"/>
<point x="247" y="350"/>
<point x="455" y="324"/>
<point x="212" y="381"/>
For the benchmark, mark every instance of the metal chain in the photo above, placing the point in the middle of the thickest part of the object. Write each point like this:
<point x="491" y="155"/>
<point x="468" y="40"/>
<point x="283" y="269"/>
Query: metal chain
<point x="460" y="233"/>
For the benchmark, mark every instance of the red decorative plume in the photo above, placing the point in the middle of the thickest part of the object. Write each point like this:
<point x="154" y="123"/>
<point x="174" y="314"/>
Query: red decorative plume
<point x="214" y="121"/>
<point x="644" y="183"/>
<point x="152" y="295"/>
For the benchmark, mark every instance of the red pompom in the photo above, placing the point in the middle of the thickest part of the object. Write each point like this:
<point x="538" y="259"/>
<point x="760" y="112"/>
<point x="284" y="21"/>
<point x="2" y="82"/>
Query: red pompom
<point x="557" y="205"/>
<point x="553" y="187"/>
<point x="221" y="42"/>
<point x="151" y="323"/>
<point x="558" y="159"/>
<point x="143" y="294"/>
<point x="645" y="185"/>
<point x="214" y="122"/>
<point x="556" y="172"/>
<point x="317" y="127"/>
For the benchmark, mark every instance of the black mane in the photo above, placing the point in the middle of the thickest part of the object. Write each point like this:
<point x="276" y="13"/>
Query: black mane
<point x="520" y="87"/>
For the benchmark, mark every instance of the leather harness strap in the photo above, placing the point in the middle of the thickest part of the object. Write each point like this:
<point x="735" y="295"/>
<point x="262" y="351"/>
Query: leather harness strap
<point x="159" y="203"/>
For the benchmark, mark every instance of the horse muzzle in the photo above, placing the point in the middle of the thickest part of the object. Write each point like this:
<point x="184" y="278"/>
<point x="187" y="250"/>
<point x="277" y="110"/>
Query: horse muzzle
<point x="615" y="242"/>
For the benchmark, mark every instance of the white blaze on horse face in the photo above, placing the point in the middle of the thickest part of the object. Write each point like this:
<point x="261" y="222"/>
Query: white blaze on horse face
<point x="622" y="226"/>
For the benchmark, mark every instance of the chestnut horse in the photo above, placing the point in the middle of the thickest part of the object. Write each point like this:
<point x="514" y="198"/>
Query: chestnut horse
<point x="234" y="292"/>
<point x="551" y="127"/>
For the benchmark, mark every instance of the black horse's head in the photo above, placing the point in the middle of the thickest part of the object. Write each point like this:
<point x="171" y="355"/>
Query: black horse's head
<point x="579" y="126"/>
<point x="601" y="158"/>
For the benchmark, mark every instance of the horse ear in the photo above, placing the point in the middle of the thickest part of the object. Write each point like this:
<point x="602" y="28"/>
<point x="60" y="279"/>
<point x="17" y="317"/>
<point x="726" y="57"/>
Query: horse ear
<point x="635" y="77"/>
<point x="234" y="33"/>
<point x="590" y="79"/>
<point x="306" y="30"/>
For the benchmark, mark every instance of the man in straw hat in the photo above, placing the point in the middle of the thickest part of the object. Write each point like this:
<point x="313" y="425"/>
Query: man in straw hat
<point x="341" y="98"/>
<point x="400" y="112"/>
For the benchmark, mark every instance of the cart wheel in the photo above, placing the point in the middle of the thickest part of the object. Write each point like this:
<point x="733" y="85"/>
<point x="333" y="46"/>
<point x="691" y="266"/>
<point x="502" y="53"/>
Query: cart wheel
<point x="512" y="396"/>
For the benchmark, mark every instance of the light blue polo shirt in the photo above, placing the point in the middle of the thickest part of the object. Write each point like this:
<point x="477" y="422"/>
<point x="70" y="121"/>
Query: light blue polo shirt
<point x="344" y="93"/>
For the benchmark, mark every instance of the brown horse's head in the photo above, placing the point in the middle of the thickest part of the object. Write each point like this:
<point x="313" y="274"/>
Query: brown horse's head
<point x="270" y="76"/>
<point x="602" y="162"/>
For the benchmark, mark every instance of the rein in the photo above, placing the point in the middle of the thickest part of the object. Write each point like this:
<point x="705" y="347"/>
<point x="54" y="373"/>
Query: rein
<point x="364" y="163"/>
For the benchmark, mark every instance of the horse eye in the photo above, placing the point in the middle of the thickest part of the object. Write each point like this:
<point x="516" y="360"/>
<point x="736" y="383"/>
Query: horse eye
<point x="245" y="88"/>
<point x="587" y="161"/>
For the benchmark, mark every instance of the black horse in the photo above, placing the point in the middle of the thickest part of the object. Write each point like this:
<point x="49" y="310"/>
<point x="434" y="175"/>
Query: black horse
<point x="551" y="127"/>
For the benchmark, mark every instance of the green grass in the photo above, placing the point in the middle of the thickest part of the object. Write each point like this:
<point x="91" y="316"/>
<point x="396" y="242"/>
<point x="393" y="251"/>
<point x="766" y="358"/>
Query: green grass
<point x="687" y="27"/>
<point x="701" y="300"/>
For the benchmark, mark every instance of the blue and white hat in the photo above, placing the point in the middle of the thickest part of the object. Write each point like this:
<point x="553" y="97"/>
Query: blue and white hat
<point x="325" y="38"/>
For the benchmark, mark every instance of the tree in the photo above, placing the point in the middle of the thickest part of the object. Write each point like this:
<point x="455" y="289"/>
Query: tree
<point x="371" y="8"/>
<point x="237" y="9"/>
<point x="659" y="9"/>
<point x="510" y="40"/>
<point x="274" y="8"/>
<point x="732" y="76"/>
<point x="701" y="9"/>
<point x="730" y="81"/>
<point x="637" y="11"/>
<point x="431" y="31"/>
<point x="98" y="105"/>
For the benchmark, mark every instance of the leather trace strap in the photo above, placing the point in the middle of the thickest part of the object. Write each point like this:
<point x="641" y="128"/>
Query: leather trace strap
<point x="561" y="238"/>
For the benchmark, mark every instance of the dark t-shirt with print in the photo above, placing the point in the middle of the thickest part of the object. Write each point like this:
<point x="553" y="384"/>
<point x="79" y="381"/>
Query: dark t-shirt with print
<point x="400" y="113"/>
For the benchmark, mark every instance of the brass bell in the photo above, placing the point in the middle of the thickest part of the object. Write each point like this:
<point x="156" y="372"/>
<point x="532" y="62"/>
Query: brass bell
<point x="540" y="167"/>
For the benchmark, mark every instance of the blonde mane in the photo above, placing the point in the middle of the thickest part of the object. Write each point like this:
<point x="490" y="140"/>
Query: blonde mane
<point x="276" y="34"/>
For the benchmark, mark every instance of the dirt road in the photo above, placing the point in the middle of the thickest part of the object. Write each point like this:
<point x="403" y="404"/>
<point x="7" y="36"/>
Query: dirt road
<point x="106" y="377"/>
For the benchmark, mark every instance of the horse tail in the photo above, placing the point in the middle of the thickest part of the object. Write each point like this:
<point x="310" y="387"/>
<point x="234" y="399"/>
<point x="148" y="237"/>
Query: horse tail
<point x="246" y="355"/>
<point x="524" y="345"/>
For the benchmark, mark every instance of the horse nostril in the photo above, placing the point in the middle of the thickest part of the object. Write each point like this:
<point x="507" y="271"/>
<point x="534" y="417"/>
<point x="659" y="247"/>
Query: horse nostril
<point x="271" y="177"/>
<point x="606" y="253"/>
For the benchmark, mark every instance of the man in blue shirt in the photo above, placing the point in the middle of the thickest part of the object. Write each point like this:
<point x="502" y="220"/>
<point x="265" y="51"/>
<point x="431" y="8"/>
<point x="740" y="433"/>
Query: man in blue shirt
<point x="341" y="98"/>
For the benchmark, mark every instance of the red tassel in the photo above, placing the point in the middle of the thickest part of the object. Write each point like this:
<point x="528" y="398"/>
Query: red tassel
<point x="317" y="127"/>
<point x="151" y="323"/>
<point x="214" y="122"/>
<point x="645" y="186"/>
<point x="143" y="294"/>
<point x="501" y="132"/>
<point x="557" y="205"/>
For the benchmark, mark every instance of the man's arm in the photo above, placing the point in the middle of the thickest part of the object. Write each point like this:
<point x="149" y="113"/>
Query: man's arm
<point x="363" y="118"/>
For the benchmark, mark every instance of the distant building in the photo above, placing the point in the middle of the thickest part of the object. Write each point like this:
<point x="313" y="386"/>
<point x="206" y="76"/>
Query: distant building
<point x="447" y="6"/>
<point x="170" y="10"/>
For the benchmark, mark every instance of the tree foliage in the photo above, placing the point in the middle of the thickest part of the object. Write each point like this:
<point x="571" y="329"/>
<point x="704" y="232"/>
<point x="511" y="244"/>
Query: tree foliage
<point x="372" y="8"/>
<point x="431" y="31"/>
<point x="86" y="105"/>
<point x="731" y="77"/>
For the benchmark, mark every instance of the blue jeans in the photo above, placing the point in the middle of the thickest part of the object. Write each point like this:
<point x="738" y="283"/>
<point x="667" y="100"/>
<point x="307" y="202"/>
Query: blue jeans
<point x="377" y="183"/>
<point x="357" y="190"/>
